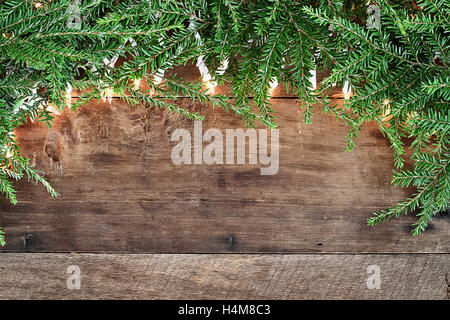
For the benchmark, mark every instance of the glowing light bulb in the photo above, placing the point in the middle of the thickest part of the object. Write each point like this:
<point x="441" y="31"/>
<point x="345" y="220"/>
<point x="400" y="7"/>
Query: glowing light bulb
<point x="69" y="95"/>
<point x="272" y="85"/>
<point x="136" y="84"/>
<point x="107" y="95"/>
<point x="52" y="108"/>
<point x="158" y="76"/>
<point x="37" y="5"/>
<point x="211" y="85"/>
<point x="347" y="90"/>
<point x="157" y="79"/>
<point x="313" y="79"/>
<point x="9" y="154"/>
<point x="223" y="67"/>
<point x="386" y="116"/>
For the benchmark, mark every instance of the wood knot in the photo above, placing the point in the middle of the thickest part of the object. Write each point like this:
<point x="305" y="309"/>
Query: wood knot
<point x="231" y="242"/>
<point x="26" y="240"/>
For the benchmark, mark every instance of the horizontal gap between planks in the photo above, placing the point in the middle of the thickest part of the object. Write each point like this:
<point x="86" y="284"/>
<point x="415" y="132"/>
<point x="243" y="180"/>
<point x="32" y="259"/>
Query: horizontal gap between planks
<point x="281" y="253"/>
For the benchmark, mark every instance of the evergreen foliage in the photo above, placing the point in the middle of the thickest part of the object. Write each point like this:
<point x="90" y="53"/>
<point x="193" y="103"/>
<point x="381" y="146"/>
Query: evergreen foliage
<point x="398" y="72"/>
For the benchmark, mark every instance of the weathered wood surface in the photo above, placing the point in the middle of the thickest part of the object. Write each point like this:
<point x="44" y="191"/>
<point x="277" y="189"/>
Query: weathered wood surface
<point x="223" y="276"/>
<point x="120" y="191"/>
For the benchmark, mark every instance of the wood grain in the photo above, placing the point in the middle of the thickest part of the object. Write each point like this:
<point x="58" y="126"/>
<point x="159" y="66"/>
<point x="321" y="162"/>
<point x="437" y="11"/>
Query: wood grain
<point x="223" y="276"/>
<point x="120" y="191"/>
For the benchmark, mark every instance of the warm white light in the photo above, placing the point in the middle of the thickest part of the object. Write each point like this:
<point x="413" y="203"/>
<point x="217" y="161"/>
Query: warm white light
<point x="385" y="117"/>
<point x="157" y="79"/>
<point x="107" y="94"/>
<point x="38" y="5"/>
<point x="223" y="67"/>
<point x="347" y="90"/>
<point x="69" y="95"/>
<point x="272" y="85"/>
<point x="52" y="108"/>
<point x="386" y="102"/>
<point x="206" y="76"/>
<point x="313" y="79"/>
<point x="211" y="85"/>
<point x="9" y="153"/>
<point x="136" y="84"/>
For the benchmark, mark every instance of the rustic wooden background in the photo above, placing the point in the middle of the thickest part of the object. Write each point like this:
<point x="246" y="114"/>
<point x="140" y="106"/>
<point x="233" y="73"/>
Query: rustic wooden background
<point x="139" y="226"/>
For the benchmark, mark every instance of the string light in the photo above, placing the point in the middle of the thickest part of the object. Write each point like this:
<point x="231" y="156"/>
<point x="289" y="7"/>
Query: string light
<point x="273" y="84"/>
<point x="107" y="95"/>
<point x="37" y="5"/>
<point x="347" y="90"/>
<point x="206" y="76"/>
<point x="53" y="109"/>
<point x="211" y="85"/>
<point x="313" y="79"/>
<point x="223" y="67"/>
<point x="158" y="76"/>
<point x="8" y="151"/>
<point x="386" y="116"/>
<point x="204" y="72"/>
<point x="313" y="76"/>
<point x="136" y="84"/>
<point x="69" y="95"/>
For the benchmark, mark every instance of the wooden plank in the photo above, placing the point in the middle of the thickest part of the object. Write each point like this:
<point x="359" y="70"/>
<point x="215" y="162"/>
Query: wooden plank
<point x="120" y="191"/>
<point x="224" y="276"/>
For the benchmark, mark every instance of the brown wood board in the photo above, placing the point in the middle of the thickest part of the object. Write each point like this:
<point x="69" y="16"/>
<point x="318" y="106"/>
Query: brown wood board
<point x="223" y="276"/>
<point x="120" y="191"/>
